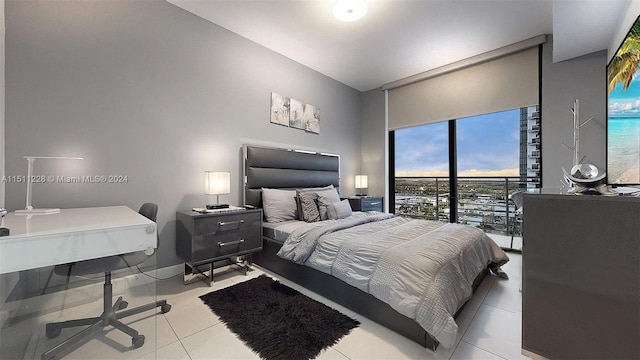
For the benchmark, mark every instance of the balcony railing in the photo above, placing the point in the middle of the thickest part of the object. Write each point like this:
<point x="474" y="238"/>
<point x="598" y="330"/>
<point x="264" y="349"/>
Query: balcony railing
<point x="482" y="202"/>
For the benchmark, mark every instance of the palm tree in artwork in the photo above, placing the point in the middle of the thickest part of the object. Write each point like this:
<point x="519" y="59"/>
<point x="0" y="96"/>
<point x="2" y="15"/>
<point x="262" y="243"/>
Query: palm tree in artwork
<point x="624" y="65"/>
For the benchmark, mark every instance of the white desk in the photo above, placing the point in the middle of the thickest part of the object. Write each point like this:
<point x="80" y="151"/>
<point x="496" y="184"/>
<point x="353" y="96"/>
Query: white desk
<point x="73" y="235"/>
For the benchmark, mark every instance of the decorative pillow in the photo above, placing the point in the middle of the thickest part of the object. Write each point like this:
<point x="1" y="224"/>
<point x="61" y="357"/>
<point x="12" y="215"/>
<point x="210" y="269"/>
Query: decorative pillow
<point x="326" y="198"/>
<point x="309" y="207"/>
<point x="300" y="191"/>
<point x="339" y="210"/>
<point x="343" y="209"/>
<point x="279" y="205"/>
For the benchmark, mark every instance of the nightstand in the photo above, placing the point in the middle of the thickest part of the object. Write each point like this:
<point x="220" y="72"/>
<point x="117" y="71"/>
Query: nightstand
<point x="211" y="240"/>
<point x="366" y="203"/>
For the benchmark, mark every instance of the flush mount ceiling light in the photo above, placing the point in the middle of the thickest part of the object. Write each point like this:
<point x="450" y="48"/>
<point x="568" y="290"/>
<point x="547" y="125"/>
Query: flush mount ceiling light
<point x="349" y="10"/>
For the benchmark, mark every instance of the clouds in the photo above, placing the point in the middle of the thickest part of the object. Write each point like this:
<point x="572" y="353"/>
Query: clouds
<point x="481" y="173"/>
<point x="620" y="108"/>
<point x="488" y="145"/>
<point x="625" y="102"/>
<point x="422" y="148"/>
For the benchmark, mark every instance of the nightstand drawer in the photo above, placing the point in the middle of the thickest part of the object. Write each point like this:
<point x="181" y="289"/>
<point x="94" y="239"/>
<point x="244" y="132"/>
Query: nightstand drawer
<point x="371" y="204"/>
<point x="366" y="203"/>
<point x="224" y="236"/>
<point x="207" y="237"/>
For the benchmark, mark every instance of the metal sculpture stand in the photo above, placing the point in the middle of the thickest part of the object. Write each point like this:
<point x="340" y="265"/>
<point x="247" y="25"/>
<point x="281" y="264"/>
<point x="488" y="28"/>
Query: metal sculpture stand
<point x="582" y="181"/>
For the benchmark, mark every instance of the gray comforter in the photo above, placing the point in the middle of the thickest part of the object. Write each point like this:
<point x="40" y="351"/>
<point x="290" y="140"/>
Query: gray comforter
<point x="423" y="269"/>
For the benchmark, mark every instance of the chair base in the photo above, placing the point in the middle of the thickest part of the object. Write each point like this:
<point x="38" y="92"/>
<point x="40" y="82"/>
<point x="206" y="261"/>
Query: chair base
<point x="110" y="316"/>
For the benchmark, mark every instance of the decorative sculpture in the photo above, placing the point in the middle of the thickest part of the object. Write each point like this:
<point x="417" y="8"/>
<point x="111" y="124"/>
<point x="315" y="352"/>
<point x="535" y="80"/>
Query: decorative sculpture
<point x="584" y="177"/>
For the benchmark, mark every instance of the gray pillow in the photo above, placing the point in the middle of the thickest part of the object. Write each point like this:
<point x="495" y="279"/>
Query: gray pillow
<point x="304" y="190"/>
<point x="339" y="210"/>
<point x="309" y="206"/>
<point x="326" y="198"/>
<point x="279" y="205"/>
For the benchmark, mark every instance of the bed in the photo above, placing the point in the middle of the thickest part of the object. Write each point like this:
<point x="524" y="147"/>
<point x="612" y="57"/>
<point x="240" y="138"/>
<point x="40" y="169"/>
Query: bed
<point x="390" y="269"/>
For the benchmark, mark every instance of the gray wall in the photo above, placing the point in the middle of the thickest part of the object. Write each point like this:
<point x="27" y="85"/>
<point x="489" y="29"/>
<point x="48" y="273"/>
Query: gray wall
<point x="582" y="78"/>
<point x="373" y="140"/>
<point x="147" y="90"/>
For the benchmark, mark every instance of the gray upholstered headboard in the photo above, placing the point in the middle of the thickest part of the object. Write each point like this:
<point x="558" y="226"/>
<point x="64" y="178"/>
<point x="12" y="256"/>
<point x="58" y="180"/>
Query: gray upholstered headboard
<point x="286" y="169"/>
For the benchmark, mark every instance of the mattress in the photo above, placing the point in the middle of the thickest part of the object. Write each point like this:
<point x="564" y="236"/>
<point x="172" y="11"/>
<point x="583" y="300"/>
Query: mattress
<point x="280" y="230"/>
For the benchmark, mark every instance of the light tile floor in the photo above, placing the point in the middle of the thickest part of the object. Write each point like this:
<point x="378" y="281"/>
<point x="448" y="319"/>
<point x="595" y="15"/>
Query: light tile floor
<point x="505" y="241"/>
<point x="489" y="327"/>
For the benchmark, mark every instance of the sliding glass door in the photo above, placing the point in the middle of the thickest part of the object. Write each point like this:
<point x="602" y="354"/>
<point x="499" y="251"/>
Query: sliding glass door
<point x="422" y="172"/>
<point x="483" y="159"/>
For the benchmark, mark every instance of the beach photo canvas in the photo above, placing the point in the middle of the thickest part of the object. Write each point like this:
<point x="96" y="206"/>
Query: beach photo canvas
<point x="623" y="113"/>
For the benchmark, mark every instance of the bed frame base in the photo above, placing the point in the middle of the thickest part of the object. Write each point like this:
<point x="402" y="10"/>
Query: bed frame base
<point x="346" y="295"/>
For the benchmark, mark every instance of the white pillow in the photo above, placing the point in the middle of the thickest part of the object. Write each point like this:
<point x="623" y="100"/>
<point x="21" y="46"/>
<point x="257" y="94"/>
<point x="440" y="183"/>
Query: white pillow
<point x="279" y="205"/>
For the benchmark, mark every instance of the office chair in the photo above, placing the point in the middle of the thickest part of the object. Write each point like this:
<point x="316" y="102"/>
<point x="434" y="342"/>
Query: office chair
<point x="111" y="314"/>
<point x="517" y="198"/>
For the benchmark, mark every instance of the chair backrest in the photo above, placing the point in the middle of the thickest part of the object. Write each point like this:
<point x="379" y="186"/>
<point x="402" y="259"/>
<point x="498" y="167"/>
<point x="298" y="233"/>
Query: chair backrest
<point x="149" y="210"/>
<point x="517" y="198"/>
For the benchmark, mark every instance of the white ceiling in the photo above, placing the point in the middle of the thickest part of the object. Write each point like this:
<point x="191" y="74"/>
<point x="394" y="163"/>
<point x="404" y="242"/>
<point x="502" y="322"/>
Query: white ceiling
<point x="400" y="38"/>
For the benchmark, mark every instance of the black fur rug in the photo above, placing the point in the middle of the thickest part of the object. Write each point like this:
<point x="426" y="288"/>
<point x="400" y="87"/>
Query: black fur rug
<point x="276" y="321"/>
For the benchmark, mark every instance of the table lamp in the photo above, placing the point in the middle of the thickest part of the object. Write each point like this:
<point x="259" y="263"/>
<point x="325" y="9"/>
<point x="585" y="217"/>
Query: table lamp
<point x="217" y="183"/>
<point x="28" y="208"/>
<point x="361" y="183"/>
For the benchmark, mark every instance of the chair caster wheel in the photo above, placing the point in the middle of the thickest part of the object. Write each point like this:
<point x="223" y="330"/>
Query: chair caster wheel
<point x="165" y="308"/>
<point x="123" y="305"/>
<point x="137" y="341"/>
<point x="52" y="332"/>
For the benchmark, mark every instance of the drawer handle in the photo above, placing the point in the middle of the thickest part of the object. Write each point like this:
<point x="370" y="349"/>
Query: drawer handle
<point x="375" y="203"/>
<point x="221" y="244"/>
<point x="225" y="223"/>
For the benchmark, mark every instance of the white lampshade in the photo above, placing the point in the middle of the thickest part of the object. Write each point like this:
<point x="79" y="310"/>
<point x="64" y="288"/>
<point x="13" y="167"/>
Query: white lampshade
<point x="349" y="10"/>
<point x="361" y="181"/>
<point x="217" y="182"/>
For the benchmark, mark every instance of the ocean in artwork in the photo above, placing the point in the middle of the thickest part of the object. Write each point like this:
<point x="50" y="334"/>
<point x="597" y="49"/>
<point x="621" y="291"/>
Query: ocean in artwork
<point x="623" y="155"/>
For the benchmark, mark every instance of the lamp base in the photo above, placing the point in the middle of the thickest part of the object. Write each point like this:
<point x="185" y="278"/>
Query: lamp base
<point x="36" y="211"/>
<point x="217" y="206"/>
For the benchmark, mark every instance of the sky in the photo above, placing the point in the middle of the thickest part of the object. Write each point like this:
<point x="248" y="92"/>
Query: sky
<point x="488" y="145"/>
<point x="625" y="102"/>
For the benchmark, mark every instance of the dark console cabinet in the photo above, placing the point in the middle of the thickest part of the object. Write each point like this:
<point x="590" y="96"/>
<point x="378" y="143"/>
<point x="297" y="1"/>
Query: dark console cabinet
<point x="581" y="277"/>
<point x="203" y="239"/>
